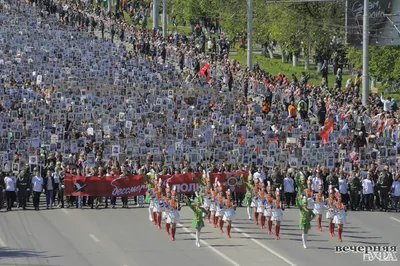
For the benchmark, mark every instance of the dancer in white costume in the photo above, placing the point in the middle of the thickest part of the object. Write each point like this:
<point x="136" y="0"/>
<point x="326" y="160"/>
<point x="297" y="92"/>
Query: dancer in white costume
<point x="173" y="216"/>
<point x="268" y="211"/>
<point x="229" y="215"/>
<point x="158" y="209"/>
<point x="277" y="213"/>
<point x="319" y="203"/>
<point x="221" y="207"/>
<point x="340" y="215"/>
<point x="213" y="207"/>
<point x="330" y="213"/>
<point x="256" y="201"/>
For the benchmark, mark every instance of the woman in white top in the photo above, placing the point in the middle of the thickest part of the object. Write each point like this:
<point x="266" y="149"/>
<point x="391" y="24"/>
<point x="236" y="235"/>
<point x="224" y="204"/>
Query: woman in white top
<point x="221" y="207"/>
<point x="213" y="207"/>
<point x="10" y="182"/>
<point x="340" y="215"/>
<point x="229" y="215"/>
<point x="37" y="187"/>
<point x="277" y="213"/>
<point x="268" y="203"/>
<point x="319" y="204"/>
<point x="173" y="216"/>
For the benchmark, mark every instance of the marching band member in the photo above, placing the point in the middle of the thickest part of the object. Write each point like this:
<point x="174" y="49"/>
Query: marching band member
<point x="308" y="194"/>
<point x="255" y="202"/>
<point x="150" y="197"/>
<point x="213" y="207"/>
<point x="229" y="215"/>
<point x="268" y="211"/>
<point x="340" y="215"/>
<point x="157" y="209"/>
<point x="319" y="206"/>
<point x="206" y="197"/>
<point x="260" y="203"/>
<point x="277" y="213"/>
<point x="173" y="216"/>
<point x="149" y="194"/>
<point x="164" y="214"/>
<point x="306" y="216"/>
<point x="197" y="221"/>
<point x="220" y="211"/>
<point x="330" y="214"/>
<point x="249" y="192"/>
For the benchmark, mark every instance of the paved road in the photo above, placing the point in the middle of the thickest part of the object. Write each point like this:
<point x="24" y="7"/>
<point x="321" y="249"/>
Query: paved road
<point x="125" y="237"/>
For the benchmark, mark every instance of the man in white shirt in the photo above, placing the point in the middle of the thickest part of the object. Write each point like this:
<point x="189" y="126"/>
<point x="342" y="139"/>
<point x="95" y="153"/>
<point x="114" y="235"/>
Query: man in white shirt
<point x="10" y="182"/>
<point x="288" y="189"/>
<point x="387" y="104"/>
<point x="316" y="181"/>
<point x="343" y="188"/>
<point x="368" y="190"/>
<point x="37" y="188"/>
<point x="396" y="192"/>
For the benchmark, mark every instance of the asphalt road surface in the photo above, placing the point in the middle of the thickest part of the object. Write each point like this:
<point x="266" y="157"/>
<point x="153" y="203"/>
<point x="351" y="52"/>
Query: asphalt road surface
<point x="125" y="237"/>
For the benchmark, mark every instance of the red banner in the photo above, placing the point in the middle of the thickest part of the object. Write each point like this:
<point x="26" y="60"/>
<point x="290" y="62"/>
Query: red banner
<point x="131" y="186"/>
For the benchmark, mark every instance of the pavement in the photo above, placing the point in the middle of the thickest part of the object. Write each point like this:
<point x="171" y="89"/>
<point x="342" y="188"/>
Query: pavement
<point x="125" y="237"/>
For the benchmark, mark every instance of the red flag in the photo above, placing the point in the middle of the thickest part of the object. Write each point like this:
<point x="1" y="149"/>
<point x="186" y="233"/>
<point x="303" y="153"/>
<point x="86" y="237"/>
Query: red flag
<point x="203" y="70"/>
<point x="257" y="150"/>
<point x="326" y="130"/>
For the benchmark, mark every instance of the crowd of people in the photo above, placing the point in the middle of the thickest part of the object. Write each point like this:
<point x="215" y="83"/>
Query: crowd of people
<point x="74" y="101"/>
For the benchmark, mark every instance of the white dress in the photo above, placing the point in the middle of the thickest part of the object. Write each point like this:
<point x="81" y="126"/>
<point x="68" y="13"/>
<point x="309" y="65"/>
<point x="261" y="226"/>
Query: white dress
<point x="277" y="212"/>
<point x="340" y="217"/>
<point x="319" y="207"/>
<point x="207" y="202"/>
<point x="330" y="214"/>
<point x="213" y="206"/>
<point x="268" y="209"/>
<point x="173" y="216"/>
<point x="157" y="206"/>
<point x="259" y="205"/>
<point x="220" y="209"/>
<point x="229" y="214"/>
<point x="310" y="204"/>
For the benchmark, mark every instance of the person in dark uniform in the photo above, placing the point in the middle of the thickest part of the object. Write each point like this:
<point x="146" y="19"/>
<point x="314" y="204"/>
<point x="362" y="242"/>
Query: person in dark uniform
<point x="354" y="187"/>
<point x="23" y="187"/>
<point x="112" y="32"/>
<point x="102" y="29"/>
<point x="2" y="190"/>
<point x="384" y="184"/>
<point x="124" y="199"/>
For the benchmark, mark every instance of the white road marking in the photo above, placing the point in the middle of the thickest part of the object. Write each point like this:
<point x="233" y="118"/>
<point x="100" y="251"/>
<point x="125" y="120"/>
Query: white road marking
<point x="265" y="247"/>
<point x="94" y="238"/>
<point x="2" y="243"/>
<point x="397" y="220"/>
<point x="210" y="247"/>
<point x="65" y="211"/>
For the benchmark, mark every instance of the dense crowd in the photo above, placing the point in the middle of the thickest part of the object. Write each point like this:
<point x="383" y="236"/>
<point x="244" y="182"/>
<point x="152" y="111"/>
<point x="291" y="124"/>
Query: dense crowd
<point x="70" y="95"/>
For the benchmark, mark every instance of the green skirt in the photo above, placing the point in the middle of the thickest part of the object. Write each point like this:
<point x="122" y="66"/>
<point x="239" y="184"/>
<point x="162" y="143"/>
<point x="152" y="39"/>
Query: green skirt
<point x="247" y="200"/>
<point x="197" y="224"/>
<point x="306" y="226"/>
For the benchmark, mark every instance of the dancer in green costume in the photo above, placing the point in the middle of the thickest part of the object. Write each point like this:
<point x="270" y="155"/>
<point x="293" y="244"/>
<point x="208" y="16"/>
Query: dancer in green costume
<point x="306" y="216"/>
<point x="149" y="194"/>
<point x="249" y="192"/>
<point x="198" y="221"/>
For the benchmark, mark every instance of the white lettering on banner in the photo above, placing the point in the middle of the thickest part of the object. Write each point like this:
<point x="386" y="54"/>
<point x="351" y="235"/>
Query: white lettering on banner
<point x="187" y="188"/>
<point x="117" y="191"/>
